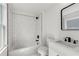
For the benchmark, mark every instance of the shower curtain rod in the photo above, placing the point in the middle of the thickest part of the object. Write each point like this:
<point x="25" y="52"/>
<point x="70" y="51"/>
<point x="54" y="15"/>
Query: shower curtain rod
<point x="24" y="14"/>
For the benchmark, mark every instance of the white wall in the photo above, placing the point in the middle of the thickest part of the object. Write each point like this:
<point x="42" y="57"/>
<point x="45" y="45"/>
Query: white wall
<point x="24" y="31"/>
<point x="0" y="27"/>
<point x="52" y="24"/>
<point x="3" y="30"/>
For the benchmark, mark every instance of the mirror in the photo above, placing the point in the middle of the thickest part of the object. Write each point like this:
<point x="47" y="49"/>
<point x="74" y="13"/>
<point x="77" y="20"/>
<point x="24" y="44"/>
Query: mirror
<point x="70" y="17"/>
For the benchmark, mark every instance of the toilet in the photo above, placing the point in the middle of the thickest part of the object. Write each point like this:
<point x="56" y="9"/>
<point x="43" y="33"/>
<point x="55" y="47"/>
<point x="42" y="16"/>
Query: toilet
<point x="43" y="51"/>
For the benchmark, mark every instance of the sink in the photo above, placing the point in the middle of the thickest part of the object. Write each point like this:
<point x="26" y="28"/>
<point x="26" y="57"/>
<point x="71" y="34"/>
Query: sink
<point x="64" y="47"/>
<point x="68" y="44"/>
<point x="74" y="47"/>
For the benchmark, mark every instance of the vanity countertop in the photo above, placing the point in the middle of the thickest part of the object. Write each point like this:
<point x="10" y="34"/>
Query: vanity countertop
<point x="63" y="46"/>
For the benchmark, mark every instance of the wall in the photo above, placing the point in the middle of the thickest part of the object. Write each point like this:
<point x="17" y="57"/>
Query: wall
<point x="3" y="25"/>
<point x="0" y="26"/>
<point x="3" y="29"/>
<point x="24" y="31"/>
<point x="52" y="24"/>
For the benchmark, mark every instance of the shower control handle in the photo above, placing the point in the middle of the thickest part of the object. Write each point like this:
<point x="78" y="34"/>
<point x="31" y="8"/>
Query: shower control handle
<point x="37" y="40"/>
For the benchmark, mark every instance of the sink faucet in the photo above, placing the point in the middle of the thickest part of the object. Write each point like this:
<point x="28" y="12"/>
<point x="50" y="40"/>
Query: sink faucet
<point x="68" y="39"/>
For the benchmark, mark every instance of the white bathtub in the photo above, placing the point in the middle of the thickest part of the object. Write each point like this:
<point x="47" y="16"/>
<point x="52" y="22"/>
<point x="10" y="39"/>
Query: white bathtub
<point x="30" y="51"/>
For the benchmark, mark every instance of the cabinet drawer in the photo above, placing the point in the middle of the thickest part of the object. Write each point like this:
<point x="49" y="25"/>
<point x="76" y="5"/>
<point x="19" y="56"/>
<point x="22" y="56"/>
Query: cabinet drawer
<point x="55" y="52"/>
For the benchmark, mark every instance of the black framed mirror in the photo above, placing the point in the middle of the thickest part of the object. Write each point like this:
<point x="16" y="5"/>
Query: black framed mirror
<point x="70" y="17"/>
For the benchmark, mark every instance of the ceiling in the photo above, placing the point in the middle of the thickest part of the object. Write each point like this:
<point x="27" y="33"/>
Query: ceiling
<point x="33" y="8"/>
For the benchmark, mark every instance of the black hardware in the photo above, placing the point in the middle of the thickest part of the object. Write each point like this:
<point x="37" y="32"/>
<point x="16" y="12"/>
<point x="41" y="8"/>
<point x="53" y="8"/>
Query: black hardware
<point x="37" y="36"/>
<point x="36" y="17"/>
<point x="74" y="41"/>
<point x="37" y="40"/>
<point x="62" y="14"/>
<point x="65" y="39"/>
<point x="68" y="39"/>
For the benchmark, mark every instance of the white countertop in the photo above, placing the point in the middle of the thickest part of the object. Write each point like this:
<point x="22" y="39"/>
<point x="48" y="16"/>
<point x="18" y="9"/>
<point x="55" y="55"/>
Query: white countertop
<point x="62" y="46"/>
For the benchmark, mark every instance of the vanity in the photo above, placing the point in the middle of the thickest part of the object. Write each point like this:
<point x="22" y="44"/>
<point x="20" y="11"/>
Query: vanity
<point x="69" y="22"/>
<point x="59" y="48"/>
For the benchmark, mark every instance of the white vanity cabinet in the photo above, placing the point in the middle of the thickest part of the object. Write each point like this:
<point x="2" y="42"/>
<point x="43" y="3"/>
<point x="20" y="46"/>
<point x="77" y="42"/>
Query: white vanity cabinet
<point x="56" y="51"/>
<point x="59" y="49"/>
<point x="52" y="52"/>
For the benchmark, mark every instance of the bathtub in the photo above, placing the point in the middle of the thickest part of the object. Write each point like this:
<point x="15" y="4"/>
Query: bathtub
<point x="30" y="51"/>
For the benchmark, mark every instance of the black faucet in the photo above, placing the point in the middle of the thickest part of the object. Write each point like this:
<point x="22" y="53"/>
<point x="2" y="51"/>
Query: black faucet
<point x="68" y="39"/>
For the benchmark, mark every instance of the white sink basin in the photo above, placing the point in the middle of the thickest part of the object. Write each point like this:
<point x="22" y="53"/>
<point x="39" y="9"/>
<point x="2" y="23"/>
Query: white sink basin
<point x="69" y="45"/>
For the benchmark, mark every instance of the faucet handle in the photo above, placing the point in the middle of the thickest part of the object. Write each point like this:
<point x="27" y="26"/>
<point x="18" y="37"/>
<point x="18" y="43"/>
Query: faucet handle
<point x="37" y="40"/>
<point x="75" y="41"/>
